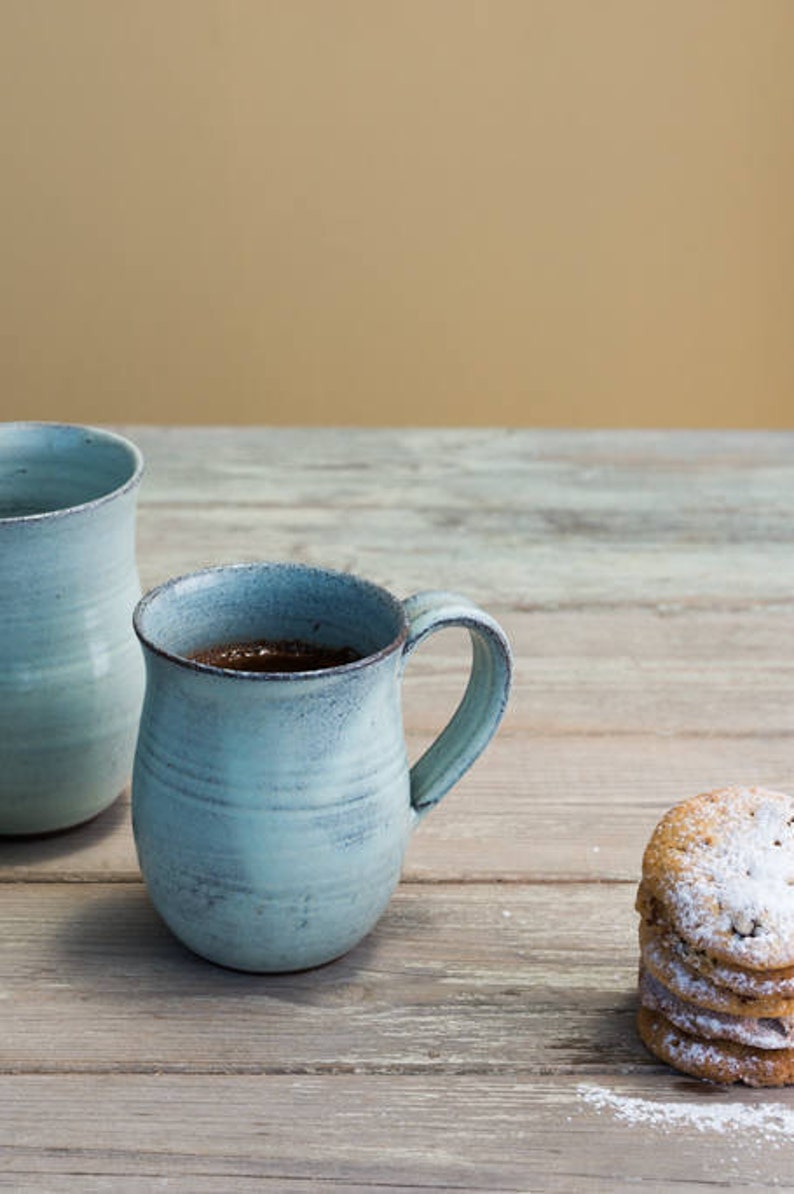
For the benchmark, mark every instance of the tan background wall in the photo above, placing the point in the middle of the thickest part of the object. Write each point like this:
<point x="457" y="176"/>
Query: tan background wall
<point x="388" y="211"/>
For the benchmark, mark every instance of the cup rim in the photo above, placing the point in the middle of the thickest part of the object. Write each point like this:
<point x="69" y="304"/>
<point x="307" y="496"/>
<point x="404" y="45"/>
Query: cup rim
<point x="195" y="665"/>
<point x="101" y="433"/>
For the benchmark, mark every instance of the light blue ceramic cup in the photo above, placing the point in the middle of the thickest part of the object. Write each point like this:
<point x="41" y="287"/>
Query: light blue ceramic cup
<point x="71" y="672"/>
<point x="272" y="810"/>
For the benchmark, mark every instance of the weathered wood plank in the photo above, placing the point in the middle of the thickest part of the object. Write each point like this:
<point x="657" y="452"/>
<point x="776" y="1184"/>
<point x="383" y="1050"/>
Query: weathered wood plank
<point x="648" y="708"/>
<point x="646" y="581"/>
<point x="476" y="979"/>
<point x="533" y="809"/>
<point x="493" y="560"/>
<point x="622" y="672"/>
<point x="517" y="518"/>
<point x="375" y="1133"/>
<point x="622" y="472"/>
<point x="625" y="672"/>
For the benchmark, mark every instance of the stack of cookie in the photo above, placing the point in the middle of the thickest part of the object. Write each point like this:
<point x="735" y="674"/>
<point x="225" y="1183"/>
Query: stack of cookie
<point x="717" y="937"/>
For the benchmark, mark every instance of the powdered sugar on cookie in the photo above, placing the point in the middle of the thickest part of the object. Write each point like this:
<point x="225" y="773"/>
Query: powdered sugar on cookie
<point x="670" y="959"/>
<point x="764" y="1032"/>
<point x="727" y="883"/>
<point x="715" y="1060"/>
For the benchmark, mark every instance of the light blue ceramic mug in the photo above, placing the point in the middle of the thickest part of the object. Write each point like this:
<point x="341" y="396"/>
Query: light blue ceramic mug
<point x="272" y="810"/>
<point x="71" y="671"/>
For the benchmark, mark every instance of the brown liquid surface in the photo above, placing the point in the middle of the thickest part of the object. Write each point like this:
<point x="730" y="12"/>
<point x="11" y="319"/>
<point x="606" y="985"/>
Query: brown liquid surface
<point x="275" y="655"/>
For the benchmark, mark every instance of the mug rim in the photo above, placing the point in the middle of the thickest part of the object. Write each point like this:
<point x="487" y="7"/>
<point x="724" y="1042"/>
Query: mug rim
<point x="102" y="433"/>
<point x="195" y="665"/>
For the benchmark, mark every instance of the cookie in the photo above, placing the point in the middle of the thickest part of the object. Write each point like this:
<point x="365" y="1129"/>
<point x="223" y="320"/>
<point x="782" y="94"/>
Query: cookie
<point x="753" y="984"/>
<point x="719" y="869"/>
<point x="666" y="957"/>
<point x="713" y="1060"/>
<point x="760" y="1033"/>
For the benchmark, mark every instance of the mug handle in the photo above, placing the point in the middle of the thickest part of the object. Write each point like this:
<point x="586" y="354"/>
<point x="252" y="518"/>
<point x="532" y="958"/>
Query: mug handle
<point x="477" y="716"/>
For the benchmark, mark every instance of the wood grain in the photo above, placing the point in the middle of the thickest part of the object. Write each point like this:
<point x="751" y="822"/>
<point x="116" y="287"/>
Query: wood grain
<point x="538" y="519"/>
<point x="473" y="979"/>
<point x="652" y="470"/>
<point x="646" y="581"/>
<point x="533" y="809"/>
<point x="370" y="1133"/>
<point x="410" y="550"/>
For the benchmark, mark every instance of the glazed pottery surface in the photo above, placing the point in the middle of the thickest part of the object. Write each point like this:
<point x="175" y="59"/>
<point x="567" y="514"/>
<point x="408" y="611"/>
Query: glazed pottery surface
<point x="271" y="811"/>
<point x="71" y="681"/>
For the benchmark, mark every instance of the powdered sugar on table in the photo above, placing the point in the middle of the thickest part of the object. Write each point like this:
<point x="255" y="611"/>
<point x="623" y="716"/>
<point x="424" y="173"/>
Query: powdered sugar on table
<point x="760" y="1123"/>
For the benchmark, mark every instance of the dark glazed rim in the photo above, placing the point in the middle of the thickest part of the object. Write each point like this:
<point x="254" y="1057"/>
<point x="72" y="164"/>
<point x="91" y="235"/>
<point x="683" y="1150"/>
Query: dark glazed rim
<point x="194" y="665"/>
<point x="136" y="462"/>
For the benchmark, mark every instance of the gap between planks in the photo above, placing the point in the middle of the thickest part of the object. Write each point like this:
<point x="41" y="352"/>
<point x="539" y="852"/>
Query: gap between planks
<point x="521" y="1073"/>
<point x="481" y="880"/>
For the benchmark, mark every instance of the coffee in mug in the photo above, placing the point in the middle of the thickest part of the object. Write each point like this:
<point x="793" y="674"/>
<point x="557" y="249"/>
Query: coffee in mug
<point x="279" y="655"/>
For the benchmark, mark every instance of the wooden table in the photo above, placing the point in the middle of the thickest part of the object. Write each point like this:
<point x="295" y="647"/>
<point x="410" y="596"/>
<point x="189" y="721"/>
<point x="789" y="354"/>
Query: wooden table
<point x="482" y="1038"/>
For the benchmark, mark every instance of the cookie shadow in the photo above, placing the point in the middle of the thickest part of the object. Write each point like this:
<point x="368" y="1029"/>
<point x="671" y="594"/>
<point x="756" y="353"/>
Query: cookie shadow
<point x="606" y="1038"/>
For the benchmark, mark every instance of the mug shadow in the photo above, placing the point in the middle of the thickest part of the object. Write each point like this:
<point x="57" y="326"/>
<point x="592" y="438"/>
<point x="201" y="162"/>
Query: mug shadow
<point x="114" y="943"/>
<point x="38" y="849"/>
